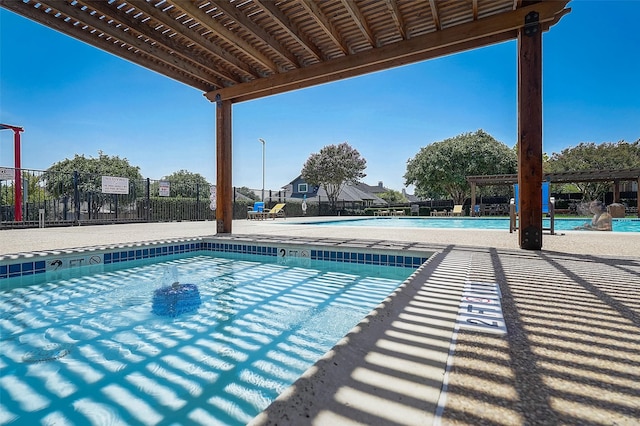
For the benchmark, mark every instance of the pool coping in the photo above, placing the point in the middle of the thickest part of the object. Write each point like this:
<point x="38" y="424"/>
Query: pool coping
<point x="34" y="264"/>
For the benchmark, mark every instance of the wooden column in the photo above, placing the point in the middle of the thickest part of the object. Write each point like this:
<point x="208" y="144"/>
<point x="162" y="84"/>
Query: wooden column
<point x="224" y="187"/>
<point x="638" y="197"/>
<point x="473" y="198"/>
<point x="616" y="191"/>
<point x="530" y="133"/>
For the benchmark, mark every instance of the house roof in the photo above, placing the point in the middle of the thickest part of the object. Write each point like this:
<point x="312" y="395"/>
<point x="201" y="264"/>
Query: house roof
<point x="372" y="189"/>
<point x="349" y="194"/>
<point x="247" y="49"/>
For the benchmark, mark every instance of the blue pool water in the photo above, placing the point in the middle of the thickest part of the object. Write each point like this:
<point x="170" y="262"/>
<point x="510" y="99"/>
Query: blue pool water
<point x="89" y="349"/>
<point x="619" y="225"/>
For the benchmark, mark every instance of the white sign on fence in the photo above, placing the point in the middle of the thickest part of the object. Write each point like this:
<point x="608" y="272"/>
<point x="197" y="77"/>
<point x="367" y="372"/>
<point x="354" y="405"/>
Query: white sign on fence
<point x="115" y="185"/>
<point x="7" y="173"/>
<point x="164" y="188"/>
<point x="212" y="197"/>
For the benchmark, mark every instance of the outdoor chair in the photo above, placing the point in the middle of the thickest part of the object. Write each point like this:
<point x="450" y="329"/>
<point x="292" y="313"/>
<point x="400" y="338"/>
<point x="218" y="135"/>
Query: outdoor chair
<point x="257" y="212"/>
<point x="276" y="211"/>
<point x="415" y="210"/>
<point x="548" y="208"/>
<point x="457" y="210"/>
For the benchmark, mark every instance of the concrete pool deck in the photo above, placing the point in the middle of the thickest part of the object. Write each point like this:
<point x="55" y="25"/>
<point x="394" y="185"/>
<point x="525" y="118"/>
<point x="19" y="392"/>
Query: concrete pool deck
<point x="571" y="354"/>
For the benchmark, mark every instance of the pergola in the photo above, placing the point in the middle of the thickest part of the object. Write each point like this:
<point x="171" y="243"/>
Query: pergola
<point x="614" y="176"/>
<point x="246" y="49"/>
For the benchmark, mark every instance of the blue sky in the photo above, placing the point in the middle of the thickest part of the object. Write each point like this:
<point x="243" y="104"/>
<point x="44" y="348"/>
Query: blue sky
<point x="72" y="99"/>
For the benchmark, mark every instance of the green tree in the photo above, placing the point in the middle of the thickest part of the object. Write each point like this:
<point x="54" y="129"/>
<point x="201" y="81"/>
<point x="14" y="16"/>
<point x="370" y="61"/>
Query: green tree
<point x="441" y="168"/>
<point x="334" y="167"/>
<point x="248" y="193"/>
<point x="59" y="180"/>
<point x="392" y="196"/>
<point x="184" y="184"/>
<point x="590" y="156"/>
<point x="32" y="189"/>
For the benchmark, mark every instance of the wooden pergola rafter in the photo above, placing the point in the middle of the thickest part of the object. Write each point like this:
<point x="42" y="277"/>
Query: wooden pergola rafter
<point x="238" y="50"/>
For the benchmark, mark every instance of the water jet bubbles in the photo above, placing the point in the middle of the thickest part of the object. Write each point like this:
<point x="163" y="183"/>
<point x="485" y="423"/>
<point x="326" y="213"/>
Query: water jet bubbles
<point x="169" y="276"/>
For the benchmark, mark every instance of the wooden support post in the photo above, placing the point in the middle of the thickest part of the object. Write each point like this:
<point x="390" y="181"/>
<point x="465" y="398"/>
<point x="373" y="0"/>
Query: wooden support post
<point x="473" y="199"/>
<point x="224" y="186"/>
<point x="616" y="191"/>
<point x="638" y="197"/>
<point x="530" y="133"/>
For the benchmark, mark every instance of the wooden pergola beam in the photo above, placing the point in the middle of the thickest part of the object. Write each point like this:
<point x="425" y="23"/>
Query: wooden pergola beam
<point x="270" y="8"/>
<point x="316" y="14"/>
<point x="227" y="35"/>
<point x="232" y="11"/>
<point x="359" y="20"/>
<point x="397" y="18"/>
<point x="168" y="43"/>
<point x="169" y="20"/>
<point x="493" y="29"/>
<point x="435" y="14"/>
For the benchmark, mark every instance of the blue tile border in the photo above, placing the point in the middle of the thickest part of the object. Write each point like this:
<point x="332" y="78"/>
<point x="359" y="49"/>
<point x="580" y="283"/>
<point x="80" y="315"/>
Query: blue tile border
<point x="368" y="258"/>
<point x="107" y="256"/>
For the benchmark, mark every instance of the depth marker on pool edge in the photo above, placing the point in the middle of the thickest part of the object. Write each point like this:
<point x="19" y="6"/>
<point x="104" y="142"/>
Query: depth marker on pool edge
<point x="480" y="308"/>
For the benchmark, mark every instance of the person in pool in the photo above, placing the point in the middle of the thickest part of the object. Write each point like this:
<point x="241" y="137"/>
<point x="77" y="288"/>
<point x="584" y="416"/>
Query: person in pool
<point x="601" y="220"/>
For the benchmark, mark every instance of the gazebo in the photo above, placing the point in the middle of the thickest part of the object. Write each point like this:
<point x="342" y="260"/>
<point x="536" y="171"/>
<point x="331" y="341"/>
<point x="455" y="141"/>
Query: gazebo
<point x="614" y="176"/>
<point x="241" y="50"/>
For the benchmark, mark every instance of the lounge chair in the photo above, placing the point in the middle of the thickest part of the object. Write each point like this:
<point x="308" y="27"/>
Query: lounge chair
<point x="548" y="208"/>
<point x="257" y="212"/>
<point x="276" y="211"/>
<point x="457" y="210"/>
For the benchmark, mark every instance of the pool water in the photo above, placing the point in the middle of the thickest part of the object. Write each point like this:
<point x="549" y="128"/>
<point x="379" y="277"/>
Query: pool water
<point x="87" y="349"/>
<point x="619" y="225"/>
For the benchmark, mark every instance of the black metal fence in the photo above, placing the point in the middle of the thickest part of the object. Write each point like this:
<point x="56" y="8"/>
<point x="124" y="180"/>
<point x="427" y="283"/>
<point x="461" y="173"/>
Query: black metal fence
<point x="70" y="198"/>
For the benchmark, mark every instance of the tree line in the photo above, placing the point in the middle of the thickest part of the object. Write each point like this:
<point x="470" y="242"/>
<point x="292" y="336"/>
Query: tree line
<point x="437" y="171"/>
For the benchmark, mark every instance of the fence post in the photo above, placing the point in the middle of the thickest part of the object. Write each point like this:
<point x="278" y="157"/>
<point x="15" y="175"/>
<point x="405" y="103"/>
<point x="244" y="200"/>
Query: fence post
<point x="148" y="214"/>
<point x="76" y="196"/>
<point x="197" y="201"/>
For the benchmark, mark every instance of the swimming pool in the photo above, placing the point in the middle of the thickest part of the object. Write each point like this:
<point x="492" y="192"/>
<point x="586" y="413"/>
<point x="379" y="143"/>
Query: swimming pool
<point x="83" y="348"/>
<point x="562" y="224"/>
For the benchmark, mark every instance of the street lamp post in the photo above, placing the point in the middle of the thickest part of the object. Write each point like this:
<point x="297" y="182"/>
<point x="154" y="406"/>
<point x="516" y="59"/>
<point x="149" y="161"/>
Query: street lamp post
<point x="264" y="144"/>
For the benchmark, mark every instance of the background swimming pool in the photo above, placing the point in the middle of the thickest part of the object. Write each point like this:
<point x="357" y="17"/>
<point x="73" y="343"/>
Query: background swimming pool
<point x="619" y="225"/>
<point x="86" y="349"/>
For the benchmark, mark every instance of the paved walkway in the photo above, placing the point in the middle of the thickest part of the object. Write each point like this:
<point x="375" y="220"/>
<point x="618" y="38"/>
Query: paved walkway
<point x="571" y="354"/>
<point x="575" y="242"/>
